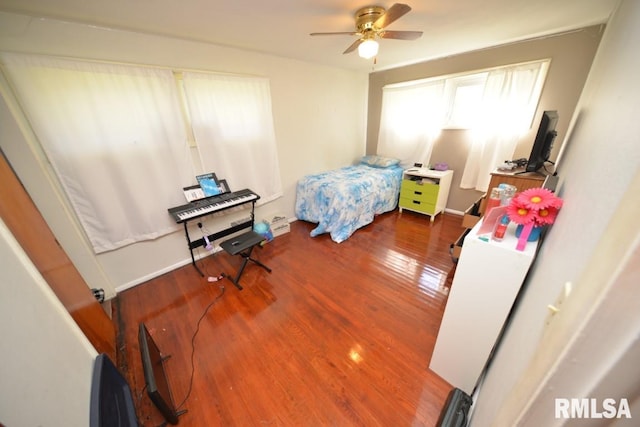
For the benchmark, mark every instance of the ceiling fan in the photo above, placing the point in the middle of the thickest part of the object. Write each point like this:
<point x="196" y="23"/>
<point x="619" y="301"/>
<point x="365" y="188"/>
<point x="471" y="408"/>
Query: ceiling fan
<point x="371" y="22"/>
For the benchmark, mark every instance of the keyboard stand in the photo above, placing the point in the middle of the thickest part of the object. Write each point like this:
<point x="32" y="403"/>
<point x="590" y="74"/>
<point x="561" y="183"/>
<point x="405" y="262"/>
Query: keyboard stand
<point x="193" y="244"/>
<point x="243" y="245"/>
<point x="200" y="242"/>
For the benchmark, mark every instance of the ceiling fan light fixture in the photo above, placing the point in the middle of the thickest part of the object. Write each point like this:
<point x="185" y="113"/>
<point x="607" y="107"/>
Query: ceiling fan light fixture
<point x="371" y="23"/>
<point x="368" y="49"/>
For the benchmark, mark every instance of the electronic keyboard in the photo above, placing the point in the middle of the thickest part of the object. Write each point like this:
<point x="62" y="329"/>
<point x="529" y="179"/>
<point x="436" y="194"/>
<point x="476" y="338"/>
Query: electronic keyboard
<point x="212" y="204"/>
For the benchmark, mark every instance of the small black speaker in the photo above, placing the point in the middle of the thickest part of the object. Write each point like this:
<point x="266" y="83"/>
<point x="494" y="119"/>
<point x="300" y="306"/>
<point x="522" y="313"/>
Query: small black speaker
<point x="111" y="399"/>
<point x="456" y="409"/>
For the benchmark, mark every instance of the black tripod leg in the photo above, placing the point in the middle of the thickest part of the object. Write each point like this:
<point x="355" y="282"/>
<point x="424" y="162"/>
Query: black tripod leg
<point x="236" y="281"/>
<point x="246" y="257"/>
<point x="193" y="259"/>
<point x="260" y="264"/>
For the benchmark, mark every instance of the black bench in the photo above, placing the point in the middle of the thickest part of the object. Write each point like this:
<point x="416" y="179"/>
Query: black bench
<point x="243" y="245"/>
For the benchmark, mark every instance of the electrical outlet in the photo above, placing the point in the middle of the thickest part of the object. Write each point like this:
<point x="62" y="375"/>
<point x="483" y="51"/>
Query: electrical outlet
<point x="560" y="301"/>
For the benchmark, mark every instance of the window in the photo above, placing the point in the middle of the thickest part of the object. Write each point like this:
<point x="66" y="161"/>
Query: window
<point x="463" y="96"/>
<point x="119" y="141"/>
<point x="233" y="126"/>
<point x="497" y="105"/>
<point x="411" y="120"/>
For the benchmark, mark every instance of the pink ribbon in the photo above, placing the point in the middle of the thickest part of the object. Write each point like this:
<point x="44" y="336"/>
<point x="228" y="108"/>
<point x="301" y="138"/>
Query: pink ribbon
<point x="524" y="235"/>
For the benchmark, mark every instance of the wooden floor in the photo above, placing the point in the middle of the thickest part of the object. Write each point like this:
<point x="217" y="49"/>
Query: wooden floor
<point x="337" y="335"/>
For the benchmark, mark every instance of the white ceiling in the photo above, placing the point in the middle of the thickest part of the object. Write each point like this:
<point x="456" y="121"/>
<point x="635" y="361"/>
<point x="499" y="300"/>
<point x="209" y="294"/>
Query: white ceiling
<point x="282" y="27"/>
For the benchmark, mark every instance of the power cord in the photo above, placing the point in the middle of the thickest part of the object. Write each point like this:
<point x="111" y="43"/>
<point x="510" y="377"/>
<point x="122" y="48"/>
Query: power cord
<point x="193" y="344"/>
<point x="203" y="266"/>
<point x="141" y="394"/>
<point x="544" y="166"/>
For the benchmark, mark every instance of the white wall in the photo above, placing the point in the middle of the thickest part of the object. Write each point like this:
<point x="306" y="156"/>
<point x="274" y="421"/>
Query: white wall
<point x="601" y="158"/>
<point x="47" y="363"/>
<point x="319" y="117"/>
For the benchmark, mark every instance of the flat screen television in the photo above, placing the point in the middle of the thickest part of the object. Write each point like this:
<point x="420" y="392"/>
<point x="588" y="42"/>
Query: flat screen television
<point x="543" y="143"/>
<point x="155" y="377"/>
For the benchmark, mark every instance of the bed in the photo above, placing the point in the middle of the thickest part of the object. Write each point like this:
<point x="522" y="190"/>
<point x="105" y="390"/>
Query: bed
<point x="343" y="200"/>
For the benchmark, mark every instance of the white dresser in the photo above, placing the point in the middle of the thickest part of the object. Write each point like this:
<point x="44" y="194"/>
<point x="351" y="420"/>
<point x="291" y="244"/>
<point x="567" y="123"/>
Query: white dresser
<point x="488" y="277"/>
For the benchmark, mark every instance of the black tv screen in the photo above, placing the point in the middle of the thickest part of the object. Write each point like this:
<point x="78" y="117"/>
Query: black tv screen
<point x="155" y="376"/>
<point x="543" y="143"/>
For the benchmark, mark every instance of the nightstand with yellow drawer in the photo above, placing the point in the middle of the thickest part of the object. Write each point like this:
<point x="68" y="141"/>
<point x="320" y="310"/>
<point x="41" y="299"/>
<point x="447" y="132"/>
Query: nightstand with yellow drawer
<point x="425" y="191"/>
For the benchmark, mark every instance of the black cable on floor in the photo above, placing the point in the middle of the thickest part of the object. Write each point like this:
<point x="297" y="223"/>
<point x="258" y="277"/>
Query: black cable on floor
<point x="193" y="342"/>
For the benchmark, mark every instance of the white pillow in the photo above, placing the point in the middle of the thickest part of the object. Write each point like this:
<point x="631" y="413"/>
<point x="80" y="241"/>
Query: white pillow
<point x="379" y="161"/>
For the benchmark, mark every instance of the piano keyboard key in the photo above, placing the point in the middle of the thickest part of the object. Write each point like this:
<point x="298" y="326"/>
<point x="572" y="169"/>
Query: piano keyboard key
<point x="212" y="204"/>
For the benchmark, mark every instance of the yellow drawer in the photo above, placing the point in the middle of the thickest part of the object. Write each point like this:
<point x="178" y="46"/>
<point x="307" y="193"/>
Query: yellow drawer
<point x="417" y="191"/>
<point x="417" y="205"/>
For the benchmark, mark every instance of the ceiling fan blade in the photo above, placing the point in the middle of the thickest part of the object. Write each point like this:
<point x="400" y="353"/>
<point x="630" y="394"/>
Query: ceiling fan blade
<point x="396" y="11"/>
<point x="339" y="33"/>
<point x="400" y="35"/>
<point x="353" y="46"/>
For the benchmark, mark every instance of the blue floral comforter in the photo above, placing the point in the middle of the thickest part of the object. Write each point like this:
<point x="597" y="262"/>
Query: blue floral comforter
<point x="343" y="200"/>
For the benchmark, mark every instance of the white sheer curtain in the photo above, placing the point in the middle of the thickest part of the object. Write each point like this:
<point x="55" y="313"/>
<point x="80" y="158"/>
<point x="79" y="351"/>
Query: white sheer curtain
<point x="232" y="123"/>
<point x="411" y="119"/>
<point x="114" y="135"/>
<point x="509" y="102"/>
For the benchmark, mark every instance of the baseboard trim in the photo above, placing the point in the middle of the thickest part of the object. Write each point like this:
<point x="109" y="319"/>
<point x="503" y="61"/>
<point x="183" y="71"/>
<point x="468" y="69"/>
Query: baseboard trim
<point x="146" y="278"/>
<point x="454" y="212"/>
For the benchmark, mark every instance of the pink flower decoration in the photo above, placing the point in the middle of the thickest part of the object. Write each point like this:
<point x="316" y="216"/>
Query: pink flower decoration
<point x="547" y="216"/>
<point x="536" y="205"/>
<point x="539" y="198"/>
<point x="519" y="213"/>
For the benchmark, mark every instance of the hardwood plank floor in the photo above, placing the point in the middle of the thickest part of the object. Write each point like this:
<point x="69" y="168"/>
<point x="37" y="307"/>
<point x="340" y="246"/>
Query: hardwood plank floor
<point x="337" y="335"/>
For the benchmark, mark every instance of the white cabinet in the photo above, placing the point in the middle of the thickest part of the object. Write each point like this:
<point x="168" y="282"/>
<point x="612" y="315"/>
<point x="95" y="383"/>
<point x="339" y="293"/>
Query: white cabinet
<point x="425" y="191"/>
<point x="488" y="277"/>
